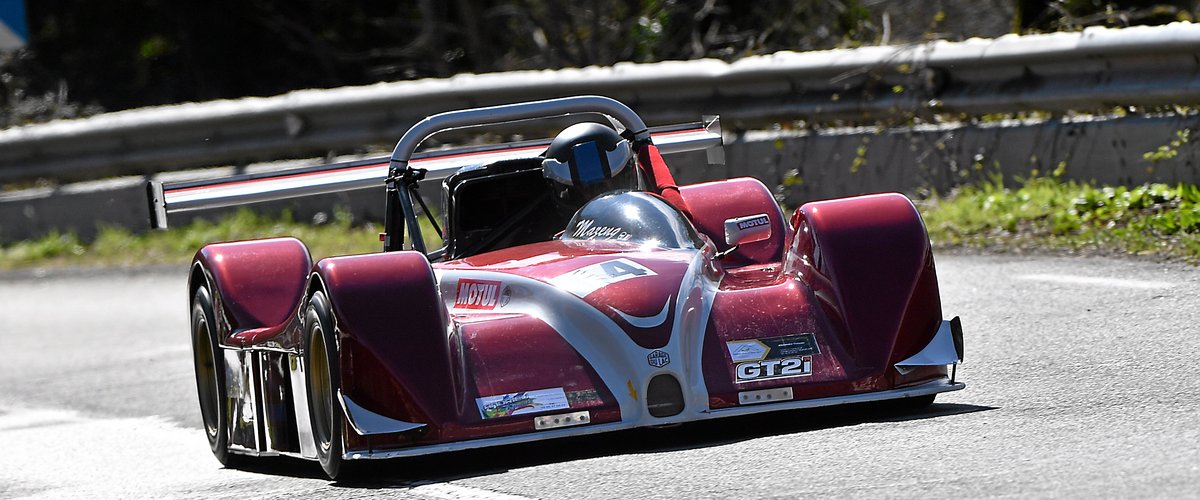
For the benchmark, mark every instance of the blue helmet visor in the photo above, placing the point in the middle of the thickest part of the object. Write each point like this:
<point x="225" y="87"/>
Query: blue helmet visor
<point x="589" y="164"/>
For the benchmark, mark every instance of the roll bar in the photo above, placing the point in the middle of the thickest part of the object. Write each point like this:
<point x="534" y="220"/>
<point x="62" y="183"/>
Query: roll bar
<point x="402" y="179"/>
<point x="511" y="112"/>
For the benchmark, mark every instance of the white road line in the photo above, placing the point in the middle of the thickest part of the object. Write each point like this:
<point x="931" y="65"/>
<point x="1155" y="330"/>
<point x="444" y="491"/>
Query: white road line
<point x="1094" y="281"/>
<point x="62" y="454"/>
<point x="24" y="419"/>
<point x="449" y="491"/>
<point x="160" y="352"/>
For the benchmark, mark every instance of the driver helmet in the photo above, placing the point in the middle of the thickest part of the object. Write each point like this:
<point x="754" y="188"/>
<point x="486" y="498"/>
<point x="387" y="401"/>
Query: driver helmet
<point x="586" y="160"/>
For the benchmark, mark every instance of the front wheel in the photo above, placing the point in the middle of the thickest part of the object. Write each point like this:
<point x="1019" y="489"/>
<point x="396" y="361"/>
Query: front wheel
<point x="321" y="358"/>
<point x="210" y="375"/>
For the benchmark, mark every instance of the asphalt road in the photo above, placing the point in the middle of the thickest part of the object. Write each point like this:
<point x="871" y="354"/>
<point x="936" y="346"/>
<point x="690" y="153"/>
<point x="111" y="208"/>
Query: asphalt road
<point x="1081" y="372"/>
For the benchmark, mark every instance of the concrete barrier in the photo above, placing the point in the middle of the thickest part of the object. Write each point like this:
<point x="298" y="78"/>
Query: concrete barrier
<point x="804" y="165"/>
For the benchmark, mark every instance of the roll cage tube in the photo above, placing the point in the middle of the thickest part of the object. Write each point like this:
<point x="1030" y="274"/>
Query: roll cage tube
<point x="402" y="180"/>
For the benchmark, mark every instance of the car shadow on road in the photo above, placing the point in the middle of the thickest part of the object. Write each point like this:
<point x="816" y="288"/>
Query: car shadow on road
<point x="410" y="472"/>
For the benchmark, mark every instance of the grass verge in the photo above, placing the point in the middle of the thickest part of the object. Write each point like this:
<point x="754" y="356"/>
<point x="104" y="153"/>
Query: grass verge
<point x="1040" y="214"/>
<point x="1049" y="214"/>
<point x="117" y="247"/>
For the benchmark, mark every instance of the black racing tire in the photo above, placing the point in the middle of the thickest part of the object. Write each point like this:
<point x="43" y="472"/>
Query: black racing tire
<point x="210" y="376"/>
<point x="324" y="380"/>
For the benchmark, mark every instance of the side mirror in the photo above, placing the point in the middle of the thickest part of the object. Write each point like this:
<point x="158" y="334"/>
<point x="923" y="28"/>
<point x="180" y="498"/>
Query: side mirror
<point x="747" y="229"/>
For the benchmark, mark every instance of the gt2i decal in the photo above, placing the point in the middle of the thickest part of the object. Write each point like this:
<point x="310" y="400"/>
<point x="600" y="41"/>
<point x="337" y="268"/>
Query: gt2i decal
<point x="804" y="344"/>
<point x="477" y="294"/>
<point x="503" y="405"/>
<point x="774" y="368"/>
<point x="588" y="279"/>
<point x="773" y="357"/>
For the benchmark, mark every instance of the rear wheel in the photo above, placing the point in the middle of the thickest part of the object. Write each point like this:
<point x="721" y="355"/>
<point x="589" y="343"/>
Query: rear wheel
<point x="321" y="358"/>
<point x="210" y="375"/>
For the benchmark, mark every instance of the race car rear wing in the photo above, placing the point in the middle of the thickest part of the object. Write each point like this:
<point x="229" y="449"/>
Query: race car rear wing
<point x="166" y="199"/>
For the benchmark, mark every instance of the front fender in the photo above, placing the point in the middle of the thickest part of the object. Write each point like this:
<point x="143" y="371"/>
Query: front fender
<point x="869" y="261"/>
<point x="255" y="283"/>
<point x="391" y="331"/>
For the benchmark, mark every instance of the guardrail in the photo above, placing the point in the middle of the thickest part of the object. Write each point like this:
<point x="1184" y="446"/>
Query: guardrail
<point x="1094" y="69"/>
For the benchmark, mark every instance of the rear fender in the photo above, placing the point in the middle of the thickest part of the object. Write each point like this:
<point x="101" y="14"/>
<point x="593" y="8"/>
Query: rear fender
<point x="392" y="334"/>
<point x="713" y="203"/>
<point x="869" y="263"/>
<point x="255" y="284"/>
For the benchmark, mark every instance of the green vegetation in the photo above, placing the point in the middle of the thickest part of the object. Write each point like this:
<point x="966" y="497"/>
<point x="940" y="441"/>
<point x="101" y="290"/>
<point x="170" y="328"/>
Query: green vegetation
<point x="1046" y="213"/>
<point x="119" y="247"/>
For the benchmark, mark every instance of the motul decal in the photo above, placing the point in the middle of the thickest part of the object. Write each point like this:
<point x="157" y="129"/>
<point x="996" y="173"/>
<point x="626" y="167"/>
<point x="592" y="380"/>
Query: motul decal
<point x="757" y="221"/>
<point x="748" y="229"/>
<point x="477" y="294"/>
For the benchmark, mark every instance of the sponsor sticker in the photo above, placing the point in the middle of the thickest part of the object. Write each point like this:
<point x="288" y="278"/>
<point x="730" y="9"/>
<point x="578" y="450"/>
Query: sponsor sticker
<point x="757" y="221"/>
<point x="774" y="357"/>
<point x="506" y="296"/>
<point x="748" y="229"/>
<point x="588" y="279"/>
<point x="477" y="294"/>
<point x="774" y="368"/>
<point x="747" y="350"/>
<point x="773" y="347"/>
<point x="584" y="398"/>
<point x="517" y="403"/>
<point x="658" y="359"/>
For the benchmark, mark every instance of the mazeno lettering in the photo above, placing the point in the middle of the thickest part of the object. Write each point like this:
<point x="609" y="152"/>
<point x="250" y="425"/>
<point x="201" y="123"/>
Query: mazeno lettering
<point x="477" y="294"/>
<point x="587" y="229"/>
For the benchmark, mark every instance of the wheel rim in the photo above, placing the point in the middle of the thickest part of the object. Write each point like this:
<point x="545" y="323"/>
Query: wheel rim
<point x="206" y="376"/>
<point x="322" y="390"/>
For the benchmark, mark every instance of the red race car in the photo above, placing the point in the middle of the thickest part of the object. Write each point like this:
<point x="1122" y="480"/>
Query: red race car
<point x="578" y="290"/>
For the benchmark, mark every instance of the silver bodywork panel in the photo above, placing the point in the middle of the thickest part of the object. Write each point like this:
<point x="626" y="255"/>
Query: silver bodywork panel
<point x="942" y="350"/>
<point x="933" y="387"/>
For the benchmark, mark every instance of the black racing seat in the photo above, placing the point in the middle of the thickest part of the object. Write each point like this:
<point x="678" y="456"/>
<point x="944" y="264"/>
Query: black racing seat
<point x="498" y="205"/>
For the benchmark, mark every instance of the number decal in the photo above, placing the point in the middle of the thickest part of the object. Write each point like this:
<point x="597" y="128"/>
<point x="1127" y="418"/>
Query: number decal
<point x="588" y="279"/>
